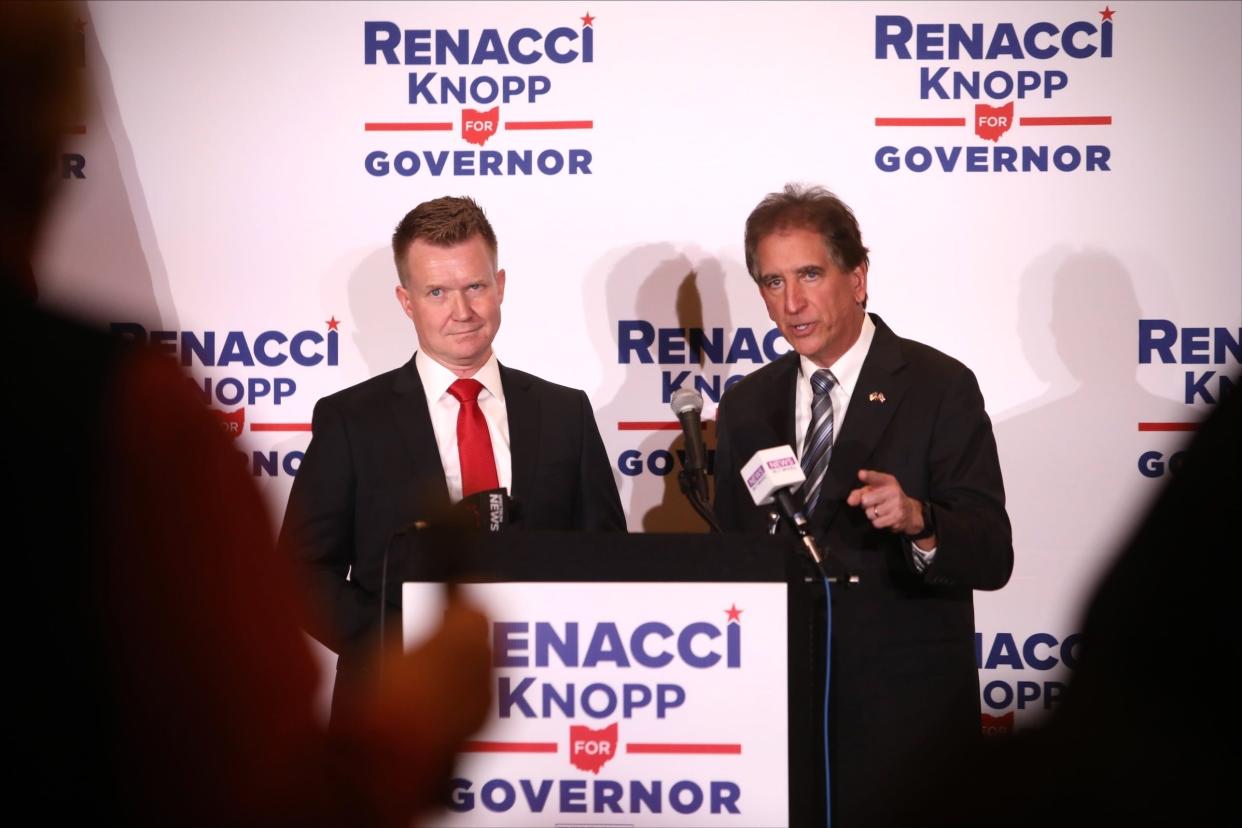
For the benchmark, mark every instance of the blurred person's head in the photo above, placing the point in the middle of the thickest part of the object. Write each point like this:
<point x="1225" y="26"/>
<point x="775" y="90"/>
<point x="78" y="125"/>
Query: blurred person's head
<point x="41" y="78"/>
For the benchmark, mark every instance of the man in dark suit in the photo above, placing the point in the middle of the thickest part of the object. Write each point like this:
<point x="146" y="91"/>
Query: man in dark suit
<point x="451" y="422"/>
<point x="903" y="489"/>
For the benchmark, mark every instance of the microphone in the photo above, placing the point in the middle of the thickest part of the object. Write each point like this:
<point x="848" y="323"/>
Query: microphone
<point x="773" y="475"/>
<point x="686" y="404"/>
<point x="490" y="510"/>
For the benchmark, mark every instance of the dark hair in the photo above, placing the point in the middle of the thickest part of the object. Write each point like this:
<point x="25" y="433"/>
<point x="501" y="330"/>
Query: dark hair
<point x="810" y="208"/>
<point x="443" y="222"/>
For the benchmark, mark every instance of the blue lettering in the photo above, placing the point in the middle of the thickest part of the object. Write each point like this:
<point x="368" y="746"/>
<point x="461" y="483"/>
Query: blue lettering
<point x="744" y="347"/>
<point x="609" y="700"/>
<point x="1030" y="656"/>
<point x="1194" y="346"/>
<point x="688" y="804"/>
<point x="489" y="48"/>
<point x="605" y="646"/>
<point x="630" y="462"/>
<point x="566" y="648"/>
<point x="235" y="350"/>
<point x="536" y="800"/>
<point x="685" y="647"/>
<point x="373" y="44"/>
<point x="510" y="697"/>
<point x="554" y="52"/>
<point x="497" y="795"/>
<point x="506" y="644"/>
<point x="634" y="336"/>
<point x="573" y="796"/>
<point x="1004" y="653"/>
<point x="639" y="650"/>
<point x="260" y="348"/>
<point x="1196" y="387"/>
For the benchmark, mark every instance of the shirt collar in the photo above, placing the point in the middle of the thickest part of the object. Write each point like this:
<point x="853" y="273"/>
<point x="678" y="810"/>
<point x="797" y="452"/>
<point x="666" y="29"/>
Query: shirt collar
<point x="849" y="366"/>
<point x="437" y="379"/>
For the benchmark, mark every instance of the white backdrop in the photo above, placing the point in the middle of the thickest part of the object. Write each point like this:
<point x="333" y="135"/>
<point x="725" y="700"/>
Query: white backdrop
<point x="226" y="188"/>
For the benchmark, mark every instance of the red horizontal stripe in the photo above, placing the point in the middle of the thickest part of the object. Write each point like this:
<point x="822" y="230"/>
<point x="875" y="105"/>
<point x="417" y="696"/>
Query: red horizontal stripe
<point x="1167" y="426"/>
<point x="654" y="425"/>
<point x="1068" y="120"/>
<point x="408" y="127"/>
<point x="549" y="124"/>
<point x="280" y="426"/>
<point x="920" y="122"/>
<point x="674" y="747"/>
<point x="509" y="747"/>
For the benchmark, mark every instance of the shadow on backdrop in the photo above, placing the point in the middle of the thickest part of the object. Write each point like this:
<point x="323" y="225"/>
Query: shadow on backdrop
<point x="662" y="285"/>
<point x="100" y="259"/>
<point x="1064" y="453"/>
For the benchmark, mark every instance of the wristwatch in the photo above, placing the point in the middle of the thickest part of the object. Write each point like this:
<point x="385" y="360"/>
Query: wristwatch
<point x="929" y="524"/>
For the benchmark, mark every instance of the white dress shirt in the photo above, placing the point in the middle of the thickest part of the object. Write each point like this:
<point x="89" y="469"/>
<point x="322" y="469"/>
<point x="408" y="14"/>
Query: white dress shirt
<point x="443" y="408"/>
<point x="846" y="369"/>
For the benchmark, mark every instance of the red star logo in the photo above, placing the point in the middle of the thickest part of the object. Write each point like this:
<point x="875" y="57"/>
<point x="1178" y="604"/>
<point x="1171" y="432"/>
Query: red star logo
<point x="333" y="323"/>
<point x="1107" y="14"/>
<point x="734" y="613"/>
<point x="587" y="19"/>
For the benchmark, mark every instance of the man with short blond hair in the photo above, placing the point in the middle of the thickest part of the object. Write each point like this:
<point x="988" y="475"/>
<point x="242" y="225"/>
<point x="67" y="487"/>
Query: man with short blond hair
<point x="450" y="423"/>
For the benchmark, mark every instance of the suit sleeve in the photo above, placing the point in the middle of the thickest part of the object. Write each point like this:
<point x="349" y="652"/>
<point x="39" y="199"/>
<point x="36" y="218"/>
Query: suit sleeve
<point x="598" y="505"/>
<point x="967" y="495"/>
<point x="318" y="532"/>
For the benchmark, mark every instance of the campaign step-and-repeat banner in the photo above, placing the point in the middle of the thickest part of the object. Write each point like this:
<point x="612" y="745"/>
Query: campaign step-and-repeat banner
<point x="1051" y="192"/>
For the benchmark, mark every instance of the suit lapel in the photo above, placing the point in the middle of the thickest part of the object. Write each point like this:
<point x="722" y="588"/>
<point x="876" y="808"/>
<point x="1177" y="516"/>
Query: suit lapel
<point x="774" y="416"/>
<point x="877" y="396"/>
<point x="413" y="422"/>
<point x="523" y="408"/>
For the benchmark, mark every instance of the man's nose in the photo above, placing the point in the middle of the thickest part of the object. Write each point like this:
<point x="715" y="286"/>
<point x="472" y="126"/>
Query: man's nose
<point x="460" y="306"/>
<point x="795" y="297"/>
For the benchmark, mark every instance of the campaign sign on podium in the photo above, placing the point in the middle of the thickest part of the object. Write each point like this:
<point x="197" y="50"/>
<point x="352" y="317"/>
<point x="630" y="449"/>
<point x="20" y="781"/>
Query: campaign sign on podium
<point x="636" y="704"/>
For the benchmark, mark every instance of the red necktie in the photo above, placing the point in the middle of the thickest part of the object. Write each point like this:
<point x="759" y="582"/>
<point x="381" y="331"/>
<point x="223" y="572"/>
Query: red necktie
<point x="474" y="444"/>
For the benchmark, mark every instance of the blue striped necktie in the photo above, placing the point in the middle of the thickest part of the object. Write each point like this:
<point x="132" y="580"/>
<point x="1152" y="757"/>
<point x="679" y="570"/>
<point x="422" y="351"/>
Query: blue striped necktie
<point x="817" y="449"/>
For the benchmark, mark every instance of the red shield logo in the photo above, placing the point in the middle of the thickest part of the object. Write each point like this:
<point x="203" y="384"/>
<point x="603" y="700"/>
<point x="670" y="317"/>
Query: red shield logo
<point x="991" y="122"/>
<point x="232" y="423"/>
<point x="997" y="725"/>
<point x="589" y="749"/>
<point x="477" y="127"/>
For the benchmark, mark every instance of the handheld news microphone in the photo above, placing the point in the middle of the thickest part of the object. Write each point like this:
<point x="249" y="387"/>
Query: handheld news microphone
<point x="773" y="475"/>
<point x="491" y="510"/>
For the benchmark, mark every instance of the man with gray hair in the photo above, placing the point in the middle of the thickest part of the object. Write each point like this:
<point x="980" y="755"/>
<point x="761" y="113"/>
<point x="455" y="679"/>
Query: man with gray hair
<point x="903" y="486"/>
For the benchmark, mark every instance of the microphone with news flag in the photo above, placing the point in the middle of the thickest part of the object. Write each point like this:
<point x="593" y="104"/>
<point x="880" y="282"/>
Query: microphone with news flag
<point x="774" y="475"/>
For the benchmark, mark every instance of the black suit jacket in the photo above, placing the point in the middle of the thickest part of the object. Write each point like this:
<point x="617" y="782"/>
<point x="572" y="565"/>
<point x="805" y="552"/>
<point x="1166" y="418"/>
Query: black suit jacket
<point x="373" y="468"/>
<point x="904" y="687"/>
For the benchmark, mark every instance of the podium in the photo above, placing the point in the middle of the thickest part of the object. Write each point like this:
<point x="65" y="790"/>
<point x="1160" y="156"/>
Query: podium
<point x="639" y="680"/>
